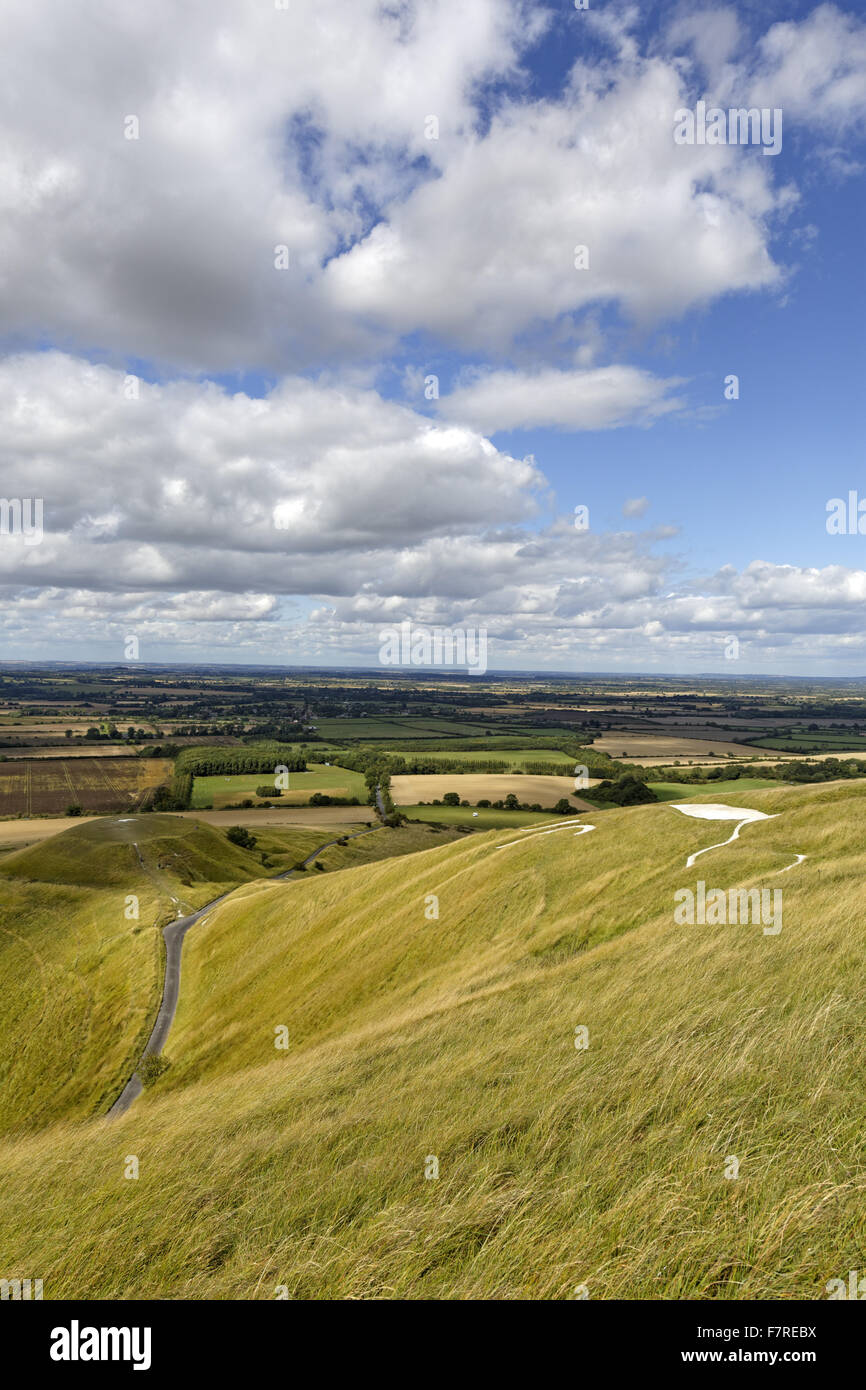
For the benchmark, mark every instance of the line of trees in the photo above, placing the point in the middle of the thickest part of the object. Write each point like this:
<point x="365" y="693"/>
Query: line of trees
<point x="597" y="764"/>
<point x="223" y="761"/>
<point x="824" y="770"/>
<point x="231" y="759"/>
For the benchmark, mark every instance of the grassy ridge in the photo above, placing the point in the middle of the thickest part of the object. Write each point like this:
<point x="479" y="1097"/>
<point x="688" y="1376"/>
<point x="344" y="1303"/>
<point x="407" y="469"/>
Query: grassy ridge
<point x="384" y="843"/>
<point x="454" y="1037"/>
<point x="686" y="791"/>
<point x="80" y="980"/>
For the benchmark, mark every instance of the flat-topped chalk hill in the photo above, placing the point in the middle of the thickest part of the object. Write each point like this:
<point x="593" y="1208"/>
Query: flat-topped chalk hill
<point x="431" y="1004"/>
<point x="102" y="853"/>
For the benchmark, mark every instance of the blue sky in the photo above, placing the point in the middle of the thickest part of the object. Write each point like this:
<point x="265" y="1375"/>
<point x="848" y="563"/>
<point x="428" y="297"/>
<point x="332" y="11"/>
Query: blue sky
<point x="236" y="458"/>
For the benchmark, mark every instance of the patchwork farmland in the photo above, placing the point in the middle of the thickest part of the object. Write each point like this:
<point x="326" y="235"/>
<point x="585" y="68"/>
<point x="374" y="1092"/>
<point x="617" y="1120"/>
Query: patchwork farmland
<point x="49" y="786"/>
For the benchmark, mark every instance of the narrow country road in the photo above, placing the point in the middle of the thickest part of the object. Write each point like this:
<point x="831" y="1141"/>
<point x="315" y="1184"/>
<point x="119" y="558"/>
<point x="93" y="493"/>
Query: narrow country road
<point x="173" y="935"/>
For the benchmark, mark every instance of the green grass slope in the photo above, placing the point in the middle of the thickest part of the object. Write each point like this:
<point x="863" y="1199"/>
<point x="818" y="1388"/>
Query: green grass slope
<point x="80" y="975"/>
<point x="416" y="1036"/>
<point x="733" y="787"/>
<point x="103" y="853"/>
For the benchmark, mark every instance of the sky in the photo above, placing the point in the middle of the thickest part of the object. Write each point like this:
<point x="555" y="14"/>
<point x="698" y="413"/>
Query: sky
<point x="319" y="317"/>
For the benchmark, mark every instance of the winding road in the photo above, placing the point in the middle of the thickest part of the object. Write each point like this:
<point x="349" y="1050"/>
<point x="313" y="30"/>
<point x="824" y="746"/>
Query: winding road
<point x="173" y="935"/>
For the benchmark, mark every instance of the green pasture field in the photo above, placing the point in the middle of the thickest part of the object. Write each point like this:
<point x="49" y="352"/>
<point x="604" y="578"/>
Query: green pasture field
<point x="212" y="793"/>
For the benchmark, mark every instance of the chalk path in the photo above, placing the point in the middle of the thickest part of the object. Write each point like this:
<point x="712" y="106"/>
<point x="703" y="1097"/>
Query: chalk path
<point x="537" y="834"/>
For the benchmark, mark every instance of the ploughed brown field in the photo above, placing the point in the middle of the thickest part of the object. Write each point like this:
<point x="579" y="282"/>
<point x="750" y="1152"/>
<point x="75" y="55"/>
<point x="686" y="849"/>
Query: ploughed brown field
<point x="60" y="750"/>
<point x="9" y="724"/>
<point x="648" y="747"/>
<point x="48" y="786"/>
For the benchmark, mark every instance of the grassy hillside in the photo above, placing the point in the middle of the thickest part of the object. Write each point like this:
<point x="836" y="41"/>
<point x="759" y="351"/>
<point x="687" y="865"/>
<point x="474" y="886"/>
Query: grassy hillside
<point x="78" y="986"/>
<point x="416" y="1037"/>
<point x="80" y="975"/>
<point x="80" y="980"/>
<point x="733" y="787"/>
<point x="384" y="843"/>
